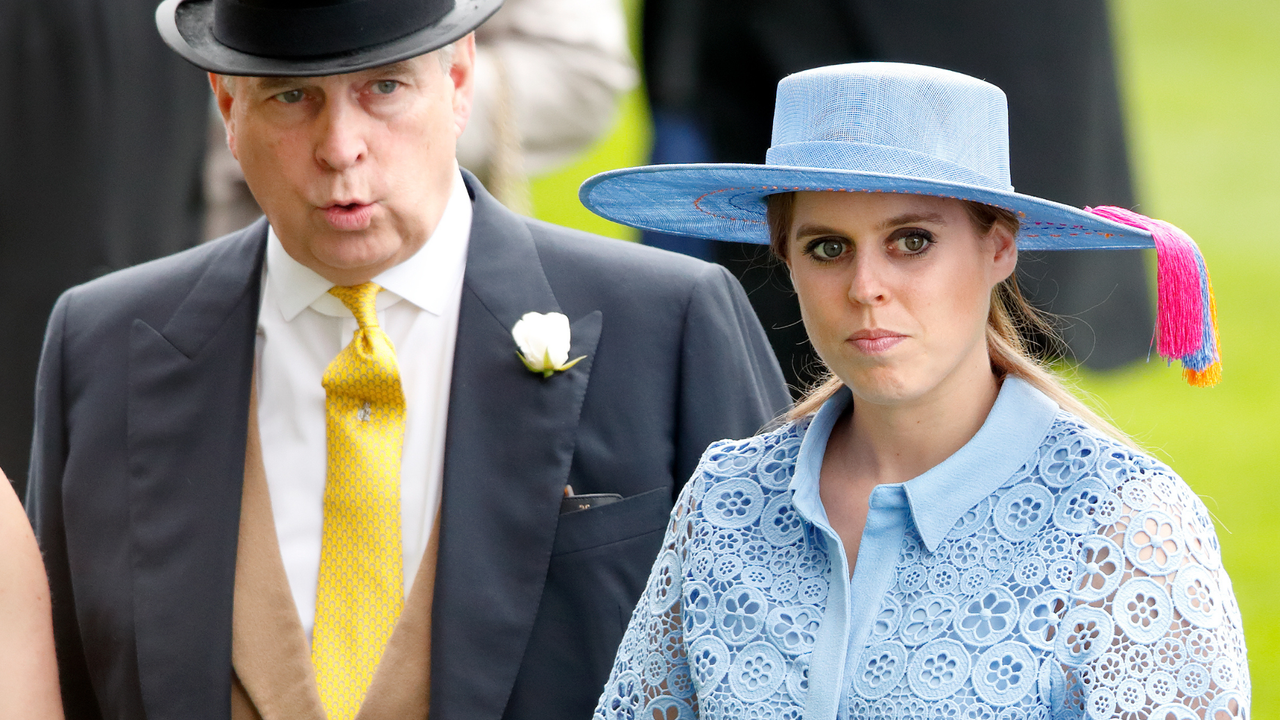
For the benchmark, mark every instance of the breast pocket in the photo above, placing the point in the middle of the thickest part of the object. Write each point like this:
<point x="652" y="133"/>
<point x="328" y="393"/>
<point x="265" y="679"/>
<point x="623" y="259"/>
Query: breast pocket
<point x="599" y="564"/>
<point x="616" y="522"/>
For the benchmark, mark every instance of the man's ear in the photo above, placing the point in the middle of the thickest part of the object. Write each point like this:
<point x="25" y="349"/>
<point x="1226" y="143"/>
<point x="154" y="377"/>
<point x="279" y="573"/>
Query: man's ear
<point x="463" y="75"/>
<point x="224" y="95"/>
<point x="1006" y="252"/>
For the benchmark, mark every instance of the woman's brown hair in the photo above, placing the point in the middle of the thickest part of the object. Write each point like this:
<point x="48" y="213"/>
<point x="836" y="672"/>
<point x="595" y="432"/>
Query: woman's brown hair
<point x="1010" y="321"/>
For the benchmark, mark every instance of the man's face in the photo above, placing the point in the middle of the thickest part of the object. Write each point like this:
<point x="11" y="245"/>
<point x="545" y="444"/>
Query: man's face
<point x="353" y="171"/>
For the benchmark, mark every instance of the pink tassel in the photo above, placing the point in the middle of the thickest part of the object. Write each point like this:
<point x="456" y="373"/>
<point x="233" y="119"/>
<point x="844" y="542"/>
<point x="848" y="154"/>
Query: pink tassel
<point x="1183" y="290"/>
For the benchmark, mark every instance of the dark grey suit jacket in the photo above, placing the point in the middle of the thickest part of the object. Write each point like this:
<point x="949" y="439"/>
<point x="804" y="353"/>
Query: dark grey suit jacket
<point x="139" y="453"/>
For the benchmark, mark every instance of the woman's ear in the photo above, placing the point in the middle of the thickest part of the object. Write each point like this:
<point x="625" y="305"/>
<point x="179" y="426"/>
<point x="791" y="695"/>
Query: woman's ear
<point x="1005" y="249"/>
<point x="785" y="259"/>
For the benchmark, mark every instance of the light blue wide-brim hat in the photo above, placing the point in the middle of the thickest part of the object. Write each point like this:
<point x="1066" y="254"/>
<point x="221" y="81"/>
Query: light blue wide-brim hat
<point x="892" y="127"/>
<point x="871" y="127"/>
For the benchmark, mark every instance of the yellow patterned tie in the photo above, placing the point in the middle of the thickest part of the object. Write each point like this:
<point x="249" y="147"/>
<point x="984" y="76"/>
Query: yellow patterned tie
<point x="361" y="586"/>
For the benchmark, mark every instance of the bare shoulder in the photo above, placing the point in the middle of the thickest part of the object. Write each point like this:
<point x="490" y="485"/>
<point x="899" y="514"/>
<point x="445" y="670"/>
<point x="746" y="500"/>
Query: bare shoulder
<point x="28" y="670"/>
<point x="16" y="539"/>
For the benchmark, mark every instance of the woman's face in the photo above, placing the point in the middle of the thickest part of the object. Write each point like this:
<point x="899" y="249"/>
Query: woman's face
<point x="895" y="289"/>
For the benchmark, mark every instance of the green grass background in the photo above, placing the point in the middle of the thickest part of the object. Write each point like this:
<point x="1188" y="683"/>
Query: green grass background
<point x="1201" y="85"/>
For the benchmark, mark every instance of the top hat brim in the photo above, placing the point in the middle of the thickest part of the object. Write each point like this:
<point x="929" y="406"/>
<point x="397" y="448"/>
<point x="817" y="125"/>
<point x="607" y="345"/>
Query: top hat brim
<point x="726" y="201"/>
<point x="187" y="27"/>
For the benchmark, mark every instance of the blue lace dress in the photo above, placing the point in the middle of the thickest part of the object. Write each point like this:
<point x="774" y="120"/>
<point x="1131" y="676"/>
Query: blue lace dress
<point x="1042" y="571"/>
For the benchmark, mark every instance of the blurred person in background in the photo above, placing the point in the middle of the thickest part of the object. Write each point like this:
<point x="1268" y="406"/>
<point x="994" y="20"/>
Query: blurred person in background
<point x="549" y="74"/>
<point x="102" y="139"/>
<point x="28" y="669"/>
<point x="711" y="67"/>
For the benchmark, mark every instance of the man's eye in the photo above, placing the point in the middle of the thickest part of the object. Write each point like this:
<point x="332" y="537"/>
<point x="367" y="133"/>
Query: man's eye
<point x="289" y="97"/>
<point x="914" y="243"/>
<point x="828" y="248"/>
<point x="385" y="87"/>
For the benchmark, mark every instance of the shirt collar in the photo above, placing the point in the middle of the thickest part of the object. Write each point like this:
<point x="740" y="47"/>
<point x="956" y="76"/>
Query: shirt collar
<point x="1013" y="430"/>
<point x="426" y="279"/>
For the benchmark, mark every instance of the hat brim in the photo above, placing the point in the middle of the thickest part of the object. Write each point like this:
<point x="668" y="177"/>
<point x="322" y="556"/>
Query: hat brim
<point x="725" y="201"/>
<point x="187" y="27"/>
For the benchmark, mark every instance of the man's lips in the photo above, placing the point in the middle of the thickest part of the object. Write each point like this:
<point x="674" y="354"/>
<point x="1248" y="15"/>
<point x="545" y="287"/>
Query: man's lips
<point x="349" y="216"/>
<point x="876" y="340"/>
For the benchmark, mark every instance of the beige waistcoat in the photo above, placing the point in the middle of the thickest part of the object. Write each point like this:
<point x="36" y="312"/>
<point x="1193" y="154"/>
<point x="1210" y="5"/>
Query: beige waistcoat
<point x="273" y="677"/>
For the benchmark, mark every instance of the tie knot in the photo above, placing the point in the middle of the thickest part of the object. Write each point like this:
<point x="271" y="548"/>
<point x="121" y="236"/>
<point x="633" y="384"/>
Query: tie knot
<point x="361" y="300"/>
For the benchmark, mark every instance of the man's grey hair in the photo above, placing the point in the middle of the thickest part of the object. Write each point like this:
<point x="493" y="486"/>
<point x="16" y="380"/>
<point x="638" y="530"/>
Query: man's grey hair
<point x="446" y="54"/>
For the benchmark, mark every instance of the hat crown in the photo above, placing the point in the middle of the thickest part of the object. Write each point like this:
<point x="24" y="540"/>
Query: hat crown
<point x="311" y="38"/>
<point x="317" y="28"/>
<point x="895" y="119"/>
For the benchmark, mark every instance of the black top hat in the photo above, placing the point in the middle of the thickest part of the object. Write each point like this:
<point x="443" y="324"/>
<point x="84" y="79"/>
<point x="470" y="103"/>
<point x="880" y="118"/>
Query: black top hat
<point x="305" y="38"/>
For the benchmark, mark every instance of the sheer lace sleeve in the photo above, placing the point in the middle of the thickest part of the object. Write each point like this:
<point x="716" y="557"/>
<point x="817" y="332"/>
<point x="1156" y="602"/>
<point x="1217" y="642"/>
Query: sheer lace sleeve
<point x="1153" y="630"/>
<point x="650" y="677"/>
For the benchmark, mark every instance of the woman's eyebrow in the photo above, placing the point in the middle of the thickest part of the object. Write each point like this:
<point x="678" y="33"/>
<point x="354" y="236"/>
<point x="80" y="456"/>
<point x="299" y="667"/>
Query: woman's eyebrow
<point x="912" y="219"/>
<point x="807" y="230"/>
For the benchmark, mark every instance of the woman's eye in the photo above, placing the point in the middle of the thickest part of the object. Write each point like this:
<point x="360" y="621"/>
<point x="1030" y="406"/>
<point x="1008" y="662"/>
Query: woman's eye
<point x="914" y="243"/>
<point x="385" y="87"/>
<point x="828" y="248"/>
<point x="289" y="97"/>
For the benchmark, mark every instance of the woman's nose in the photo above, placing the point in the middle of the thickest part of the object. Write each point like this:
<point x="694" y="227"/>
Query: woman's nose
<point x="867" y="286"/>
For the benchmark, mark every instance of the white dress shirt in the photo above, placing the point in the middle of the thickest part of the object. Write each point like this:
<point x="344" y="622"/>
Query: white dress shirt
<point x="301" y="329"/>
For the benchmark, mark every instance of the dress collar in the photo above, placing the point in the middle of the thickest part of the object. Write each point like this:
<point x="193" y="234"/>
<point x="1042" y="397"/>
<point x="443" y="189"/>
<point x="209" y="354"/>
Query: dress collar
<point x="425" y="279"/>
<point x="1013" y="430"/>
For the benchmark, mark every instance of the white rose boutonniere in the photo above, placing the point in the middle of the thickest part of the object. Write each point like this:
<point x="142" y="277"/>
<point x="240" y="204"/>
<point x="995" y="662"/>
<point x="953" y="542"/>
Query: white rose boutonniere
<point x="543" y="342"/>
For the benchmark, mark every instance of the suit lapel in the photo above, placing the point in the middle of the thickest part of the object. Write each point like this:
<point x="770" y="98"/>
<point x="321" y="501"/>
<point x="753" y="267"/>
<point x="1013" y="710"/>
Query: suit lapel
<point x="511" y="437"/>
<point x="187" y="410"/>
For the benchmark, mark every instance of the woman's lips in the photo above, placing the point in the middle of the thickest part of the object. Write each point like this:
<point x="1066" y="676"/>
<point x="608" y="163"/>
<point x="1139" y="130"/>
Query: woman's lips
<point x="351" y="216"/>
<point x="873" y="342"/>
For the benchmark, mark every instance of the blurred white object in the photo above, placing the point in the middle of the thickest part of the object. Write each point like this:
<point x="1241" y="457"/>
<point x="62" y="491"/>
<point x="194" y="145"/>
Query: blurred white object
<point x="566" y="64"/>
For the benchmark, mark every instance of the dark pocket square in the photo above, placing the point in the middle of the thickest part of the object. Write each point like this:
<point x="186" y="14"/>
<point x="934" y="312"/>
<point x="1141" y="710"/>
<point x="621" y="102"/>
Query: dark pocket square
<point x="575" y="503"/>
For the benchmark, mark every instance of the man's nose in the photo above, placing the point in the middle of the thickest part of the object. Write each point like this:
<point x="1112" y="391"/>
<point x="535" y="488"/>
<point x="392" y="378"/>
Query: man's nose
<point x="342" y="135"/>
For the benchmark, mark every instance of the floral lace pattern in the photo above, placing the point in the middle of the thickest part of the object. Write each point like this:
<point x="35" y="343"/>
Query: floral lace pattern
<point x="1089" y="584"/>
